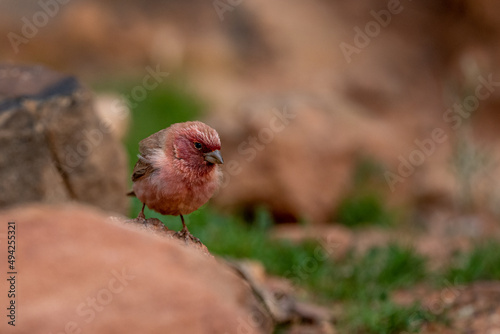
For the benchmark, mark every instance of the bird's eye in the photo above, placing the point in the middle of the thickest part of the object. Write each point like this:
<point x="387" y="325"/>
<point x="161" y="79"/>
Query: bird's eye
<point x="197" y="145"/>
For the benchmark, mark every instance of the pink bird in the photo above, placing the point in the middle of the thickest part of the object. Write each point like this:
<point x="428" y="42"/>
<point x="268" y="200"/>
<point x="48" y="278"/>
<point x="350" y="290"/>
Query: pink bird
<point x="177" y="171"/>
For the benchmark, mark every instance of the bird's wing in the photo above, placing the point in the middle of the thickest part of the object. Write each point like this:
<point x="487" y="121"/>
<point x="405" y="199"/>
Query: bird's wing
<point x="143" y="167"/>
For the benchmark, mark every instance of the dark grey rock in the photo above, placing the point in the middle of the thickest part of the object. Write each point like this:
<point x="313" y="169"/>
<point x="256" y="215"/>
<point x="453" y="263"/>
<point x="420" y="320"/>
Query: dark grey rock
<point x="53" y="146"/>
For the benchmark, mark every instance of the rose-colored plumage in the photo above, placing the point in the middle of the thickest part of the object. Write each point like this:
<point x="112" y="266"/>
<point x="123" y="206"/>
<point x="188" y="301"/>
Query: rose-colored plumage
<point x="177" y="171"/>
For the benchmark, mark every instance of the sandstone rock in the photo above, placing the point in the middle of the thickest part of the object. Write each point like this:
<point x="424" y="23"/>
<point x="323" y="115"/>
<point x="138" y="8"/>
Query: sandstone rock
<point x="295" y="154"/>
<point x="81" y="271"/>
<point x="113" y="109"/>
<point x="156" y="226"/>
<point x="54" y="146"/>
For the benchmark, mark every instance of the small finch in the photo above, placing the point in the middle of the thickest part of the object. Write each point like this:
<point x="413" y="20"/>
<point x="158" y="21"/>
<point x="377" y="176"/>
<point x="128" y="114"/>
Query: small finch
<point x="177" y="171"/>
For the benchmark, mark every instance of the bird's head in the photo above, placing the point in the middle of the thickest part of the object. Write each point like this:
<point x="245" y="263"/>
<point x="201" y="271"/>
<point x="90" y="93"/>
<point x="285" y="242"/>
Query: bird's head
<point x="197" y="145"/>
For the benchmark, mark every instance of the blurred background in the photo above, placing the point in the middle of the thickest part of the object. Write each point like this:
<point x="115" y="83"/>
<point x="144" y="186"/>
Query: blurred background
<point x="370" y="127"/>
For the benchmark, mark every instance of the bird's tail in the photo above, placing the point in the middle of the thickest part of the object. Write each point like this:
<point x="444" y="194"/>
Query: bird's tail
<point x="131" y="193"/>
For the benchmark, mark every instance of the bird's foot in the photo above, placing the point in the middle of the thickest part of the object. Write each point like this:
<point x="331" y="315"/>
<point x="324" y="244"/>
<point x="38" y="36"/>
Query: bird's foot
<point x="186" y="235"/>
<point x="141" y="218"/>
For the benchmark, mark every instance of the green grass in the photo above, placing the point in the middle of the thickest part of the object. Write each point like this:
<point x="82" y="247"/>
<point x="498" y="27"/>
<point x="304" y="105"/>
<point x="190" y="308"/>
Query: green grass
<point x="364" y="284"/>
<point x="375" y="273"/>
<point x="482" y="263"/>
<point x="365" y="205"/>
<point x="363" y="209"/>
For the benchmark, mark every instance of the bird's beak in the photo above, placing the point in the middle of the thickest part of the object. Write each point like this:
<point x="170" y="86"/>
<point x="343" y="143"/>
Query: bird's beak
<point x="214" y="157"/>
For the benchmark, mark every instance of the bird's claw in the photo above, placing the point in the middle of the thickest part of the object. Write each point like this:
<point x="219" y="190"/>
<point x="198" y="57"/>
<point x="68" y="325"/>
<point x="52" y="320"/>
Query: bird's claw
<point x="141" y="219"/>
<point x="186" y="235"/>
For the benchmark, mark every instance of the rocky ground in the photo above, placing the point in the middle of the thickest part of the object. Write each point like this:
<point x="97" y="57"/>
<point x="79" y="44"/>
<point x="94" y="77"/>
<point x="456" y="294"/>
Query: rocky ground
<point x="372" y="137"/>
<point x="459" y="308"/>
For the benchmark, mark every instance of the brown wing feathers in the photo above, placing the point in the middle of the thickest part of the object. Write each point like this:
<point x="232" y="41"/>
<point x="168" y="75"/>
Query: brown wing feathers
<point x="143" y="166"/>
